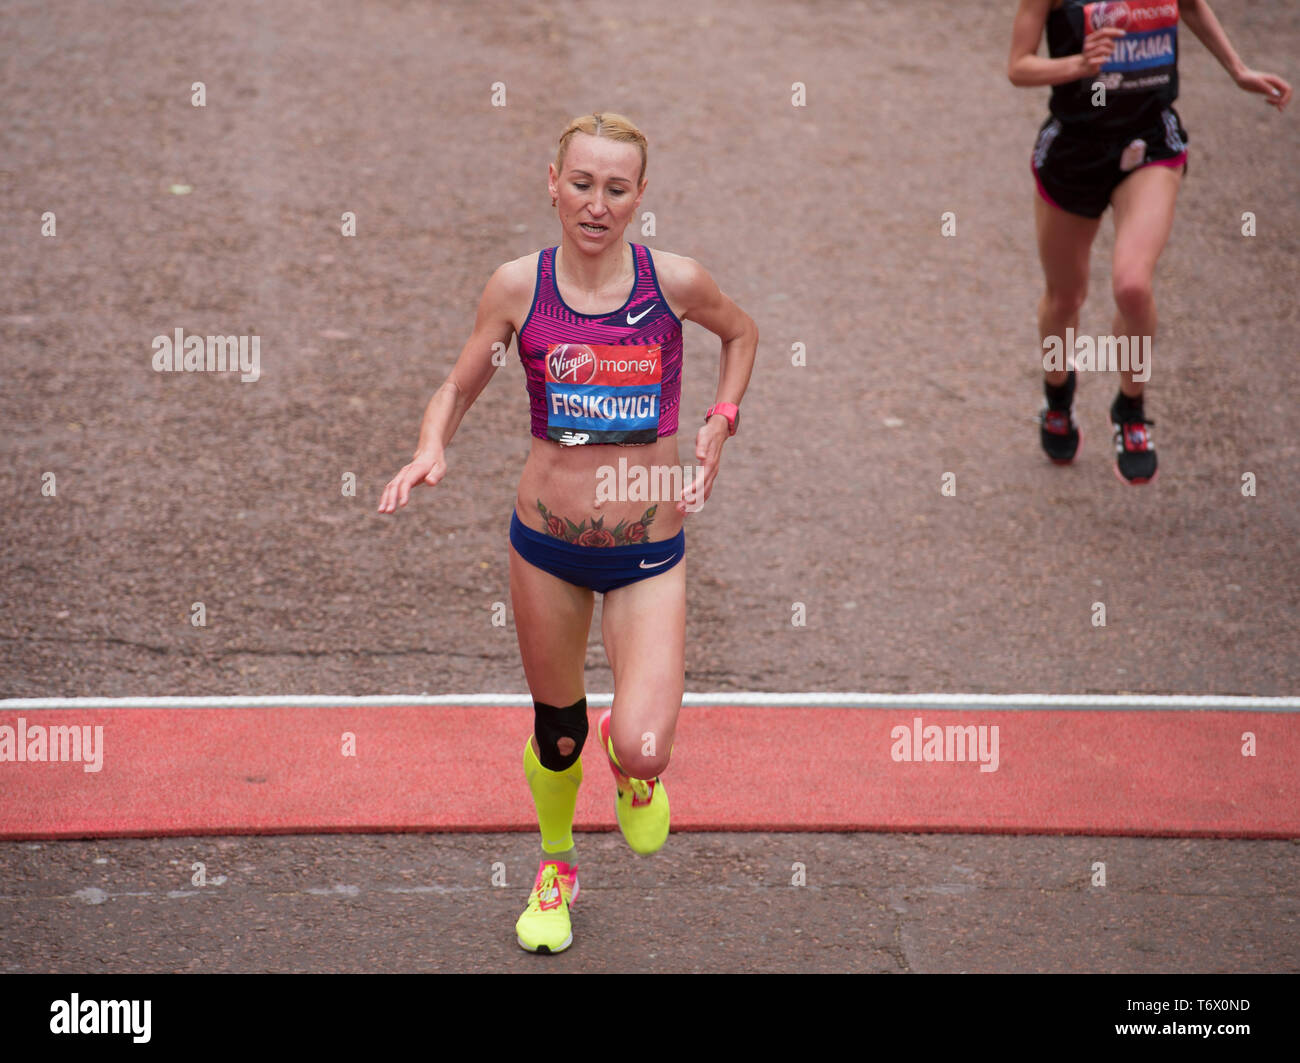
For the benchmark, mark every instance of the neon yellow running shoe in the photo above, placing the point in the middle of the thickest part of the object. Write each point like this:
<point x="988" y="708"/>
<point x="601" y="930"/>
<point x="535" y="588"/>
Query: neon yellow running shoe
<point x="641" y="806"/>
<point x="545" y="926"/>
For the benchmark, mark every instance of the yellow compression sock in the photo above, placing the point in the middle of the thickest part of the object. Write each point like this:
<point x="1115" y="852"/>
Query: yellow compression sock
<point x="555" y="793"/>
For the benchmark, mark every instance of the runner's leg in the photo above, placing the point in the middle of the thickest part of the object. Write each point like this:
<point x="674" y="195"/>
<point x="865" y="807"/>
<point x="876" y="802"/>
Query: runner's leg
<point x="644" y="628"/>
<point x="1144" y="217"/>
<point x="1064" y="248"/>
<point x="552" y="621"/>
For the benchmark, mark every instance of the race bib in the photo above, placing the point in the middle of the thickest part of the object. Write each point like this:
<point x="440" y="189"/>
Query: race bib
<point x="600" y="394"/>
<point x="1145" y="57"/>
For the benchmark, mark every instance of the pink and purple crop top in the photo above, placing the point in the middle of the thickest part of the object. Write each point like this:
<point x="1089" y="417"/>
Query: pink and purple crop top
<point x="602" y="378"/>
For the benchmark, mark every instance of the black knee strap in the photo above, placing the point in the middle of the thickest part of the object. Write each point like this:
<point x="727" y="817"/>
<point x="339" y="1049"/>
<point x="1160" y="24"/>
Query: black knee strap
<point x="550" y="724"/>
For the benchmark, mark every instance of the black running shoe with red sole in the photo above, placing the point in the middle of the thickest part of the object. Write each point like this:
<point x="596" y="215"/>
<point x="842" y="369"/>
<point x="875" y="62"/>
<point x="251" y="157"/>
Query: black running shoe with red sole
<point x="1135" y="454"/>
<point x="1059" y="434"/>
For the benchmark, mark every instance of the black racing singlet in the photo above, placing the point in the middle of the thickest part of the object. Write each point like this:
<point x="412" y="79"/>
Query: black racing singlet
<point x="1141" y="76"/>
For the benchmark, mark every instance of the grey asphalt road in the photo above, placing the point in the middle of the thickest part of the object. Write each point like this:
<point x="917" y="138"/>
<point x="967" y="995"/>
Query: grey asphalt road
<point x="718" y="903"/>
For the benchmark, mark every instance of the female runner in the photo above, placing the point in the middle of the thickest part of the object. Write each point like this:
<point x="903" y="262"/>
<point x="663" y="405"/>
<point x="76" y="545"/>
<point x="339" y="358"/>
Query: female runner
<point x="599" y="323"/>
<point x="1112" y="138"/>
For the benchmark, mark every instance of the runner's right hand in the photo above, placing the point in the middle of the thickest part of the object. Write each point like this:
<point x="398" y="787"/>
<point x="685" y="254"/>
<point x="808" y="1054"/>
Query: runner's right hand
<point x="1098" y="46"/>
<point x="427" y="470"/>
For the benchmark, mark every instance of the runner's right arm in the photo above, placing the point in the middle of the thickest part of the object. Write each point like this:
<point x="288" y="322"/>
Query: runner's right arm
<point x="468" y="378"/>
<point x="1027" y="69"/>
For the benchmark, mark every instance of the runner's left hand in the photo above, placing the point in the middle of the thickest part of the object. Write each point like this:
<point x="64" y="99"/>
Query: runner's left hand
<point x="708" y="452"/>
<point x="1273" y="88"/>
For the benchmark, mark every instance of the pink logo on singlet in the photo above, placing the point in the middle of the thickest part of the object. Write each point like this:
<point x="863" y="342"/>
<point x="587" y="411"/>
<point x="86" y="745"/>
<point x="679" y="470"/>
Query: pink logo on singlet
<point x="1104" y="15"/>
<point x="573" y="363"/>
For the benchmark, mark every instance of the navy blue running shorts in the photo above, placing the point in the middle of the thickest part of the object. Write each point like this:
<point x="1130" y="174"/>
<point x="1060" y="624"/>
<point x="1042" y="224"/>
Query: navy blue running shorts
<point x="601" y="568"/>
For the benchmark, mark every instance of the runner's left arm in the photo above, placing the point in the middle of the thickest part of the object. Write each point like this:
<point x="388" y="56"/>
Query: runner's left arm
<point x="703" y="302"/>
<point x="1198" y="18"/>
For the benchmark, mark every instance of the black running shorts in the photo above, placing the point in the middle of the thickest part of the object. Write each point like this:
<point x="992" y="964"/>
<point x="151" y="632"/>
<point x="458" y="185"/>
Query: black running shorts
<point x="1079" y="174"/>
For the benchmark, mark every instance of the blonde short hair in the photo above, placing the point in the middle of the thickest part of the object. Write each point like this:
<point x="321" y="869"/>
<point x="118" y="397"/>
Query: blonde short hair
<point x="611" y="126"/>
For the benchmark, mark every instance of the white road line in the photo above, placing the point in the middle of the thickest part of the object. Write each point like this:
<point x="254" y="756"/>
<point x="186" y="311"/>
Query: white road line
<point x="807" y="699"/>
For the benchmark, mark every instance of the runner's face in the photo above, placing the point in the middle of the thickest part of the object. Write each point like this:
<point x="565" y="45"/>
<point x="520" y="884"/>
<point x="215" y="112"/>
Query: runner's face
<point x="597" y="193"/>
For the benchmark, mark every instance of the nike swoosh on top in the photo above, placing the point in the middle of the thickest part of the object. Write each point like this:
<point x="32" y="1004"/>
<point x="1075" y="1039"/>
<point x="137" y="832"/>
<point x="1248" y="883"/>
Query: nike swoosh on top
<point x="633" y="320"/>
<point x="657" y="563"/>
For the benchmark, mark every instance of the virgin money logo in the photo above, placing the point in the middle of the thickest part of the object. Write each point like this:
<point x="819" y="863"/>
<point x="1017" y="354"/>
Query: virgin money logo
<point x="1104" y="15"/>
<point x="571" y="363"/>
